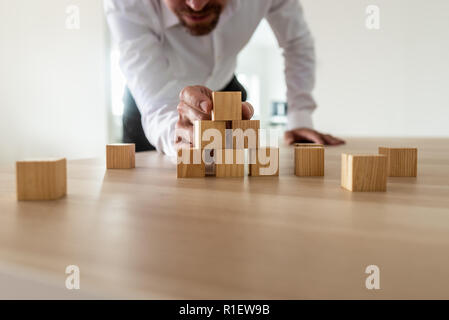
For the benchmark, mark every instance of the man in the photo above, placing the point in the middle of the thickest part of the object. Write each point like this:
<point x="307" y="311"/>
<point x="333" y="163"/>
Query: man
<point x="174" y="53"/>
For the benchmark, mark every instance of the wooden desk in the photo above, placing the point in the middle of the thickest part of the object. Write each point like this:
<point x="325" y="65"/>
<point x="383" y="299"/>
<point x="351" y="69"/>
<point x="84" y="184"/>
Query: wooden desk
<point x="144" y="234"/>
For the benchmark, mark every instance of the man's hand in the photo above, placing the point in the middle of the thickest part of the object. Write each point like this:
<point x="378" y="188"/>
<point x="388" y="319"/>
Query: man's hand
<point x="309" y="135"/>
<point x="195" y="103"/>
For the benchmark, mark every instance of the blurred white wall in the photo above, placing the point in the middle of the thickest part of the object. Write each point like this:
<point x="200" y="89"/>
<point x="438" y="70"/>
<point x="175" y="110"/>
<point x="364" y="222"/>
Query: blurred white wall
<point x="55" y="101"/>
<point x="387" y="82"/>
<point x="53" y="92"/>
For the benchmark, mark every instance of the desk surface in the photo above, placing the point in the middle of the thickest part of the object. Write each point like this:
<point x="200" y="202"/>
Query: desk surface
<point x="145" y="234"/>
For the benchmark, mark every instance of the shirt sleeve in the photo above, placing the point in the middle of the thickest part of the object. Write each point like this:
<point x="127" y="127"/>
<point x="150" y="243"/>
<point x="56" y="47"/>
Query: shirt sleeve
<point x="142" y="61"/>
<point x="286" y="18"/>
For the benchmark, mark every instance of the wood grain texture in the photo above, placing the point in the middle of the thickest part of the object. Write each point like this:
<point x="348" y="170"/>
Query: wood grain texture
<point x="227" y="106"/>
<point x="402" y="162"/>
<point x="190" y="164"/>
<point x="229" y="163"/>
<point x="255" y="164"/>
<point x="346" y="174"/>
<point x="308" y="145"/>
<point x="250" y="138"/>
<point x="199" y="127"/>
<point x="121" y="156"/>
<point x="145" y="234"/>
<point x="41" y="179"/>
<point x="309" y="160"/>
<point x="364" y="173"/>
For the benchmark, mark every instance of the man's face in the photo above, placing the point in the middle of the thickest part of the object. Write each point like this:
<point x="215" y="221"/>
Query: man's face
<point x="199" y="17"/>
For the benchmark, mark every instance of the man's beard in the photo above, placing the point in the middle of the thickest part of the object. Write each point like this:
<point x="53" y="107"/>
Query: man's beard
<point x="201" y="29"/>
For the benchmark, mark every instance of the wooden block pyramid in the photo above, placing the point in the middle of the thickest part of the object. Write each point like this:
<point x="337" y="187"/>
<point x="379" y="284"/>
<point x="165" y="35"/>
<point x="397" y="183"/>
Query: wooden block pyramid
<point x="222" y="141"/>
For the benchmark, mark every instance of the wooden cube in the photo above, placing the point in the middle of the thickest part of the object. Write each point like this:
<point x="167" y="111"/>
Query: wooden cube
<point x="309" y="160"/>
<point x="364" y="173"/>
<point x="227" y="106"/>
<point x="41" y="179"/>
<point x="229" y="163"/>
<point x="402" y="162"/>
<point x="307" y="145"/>
<point x="121" y="156"/>
<point x="248" y="136"/>
<point x="201" y="140"/>
<point x="190" y="163"/>
<point x="264" y="162"/>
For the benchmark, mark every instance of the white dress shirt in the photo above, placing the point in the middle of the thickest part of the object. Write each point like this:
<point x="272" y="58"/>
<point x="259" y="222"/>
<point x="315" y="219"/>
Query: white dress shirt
<point x="158" y="57"/>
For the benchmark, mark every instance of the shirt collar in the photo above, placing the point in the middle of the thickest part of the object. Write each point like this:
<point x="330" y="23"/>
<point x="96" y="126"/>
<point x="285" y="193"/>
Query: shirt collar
<point x="171" y="20"/>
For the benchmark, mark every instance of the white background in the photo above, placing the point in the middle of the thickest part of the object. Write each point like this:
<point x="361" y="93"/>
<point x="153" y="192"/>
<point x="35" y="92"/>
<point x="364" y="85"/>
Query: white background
<point x="53" y="89"/>
<point x="54" y="84"/>
<point x="389" y="82"/>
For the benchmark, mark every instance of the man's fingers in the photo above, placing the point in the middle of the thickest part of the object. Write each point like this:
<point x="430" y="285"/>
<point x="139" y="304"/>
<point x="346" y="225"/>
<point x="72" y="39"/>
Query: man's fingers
<point x="191" y="114"/>
<point x="195" y="104"/>
<point x="301" y="135"/>
<point x="183" y="145"/>
<point x="311" y="135"/>
<point x="331" y="140"/>
<point x="183" y="134"/>
<point x="247" y="111"/>
<point x="289" y="137"/>
<point x="340" y="141"/>
<point x="197" y="97"/>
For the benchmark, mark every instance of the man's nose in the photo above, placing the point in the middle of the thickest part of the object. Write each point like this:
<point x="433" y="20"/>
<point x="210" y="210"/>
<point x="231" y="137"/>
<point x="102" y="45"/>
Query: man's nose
<point x="197" y="5"/>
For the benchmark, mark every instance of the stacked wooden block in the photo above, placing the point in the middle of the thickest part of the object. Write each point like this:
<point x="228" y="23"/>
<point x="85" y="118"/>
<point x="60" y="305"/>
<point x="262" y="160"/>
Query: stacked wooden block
<point x="222" y="142"/>
<point x="368" y="173"/>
